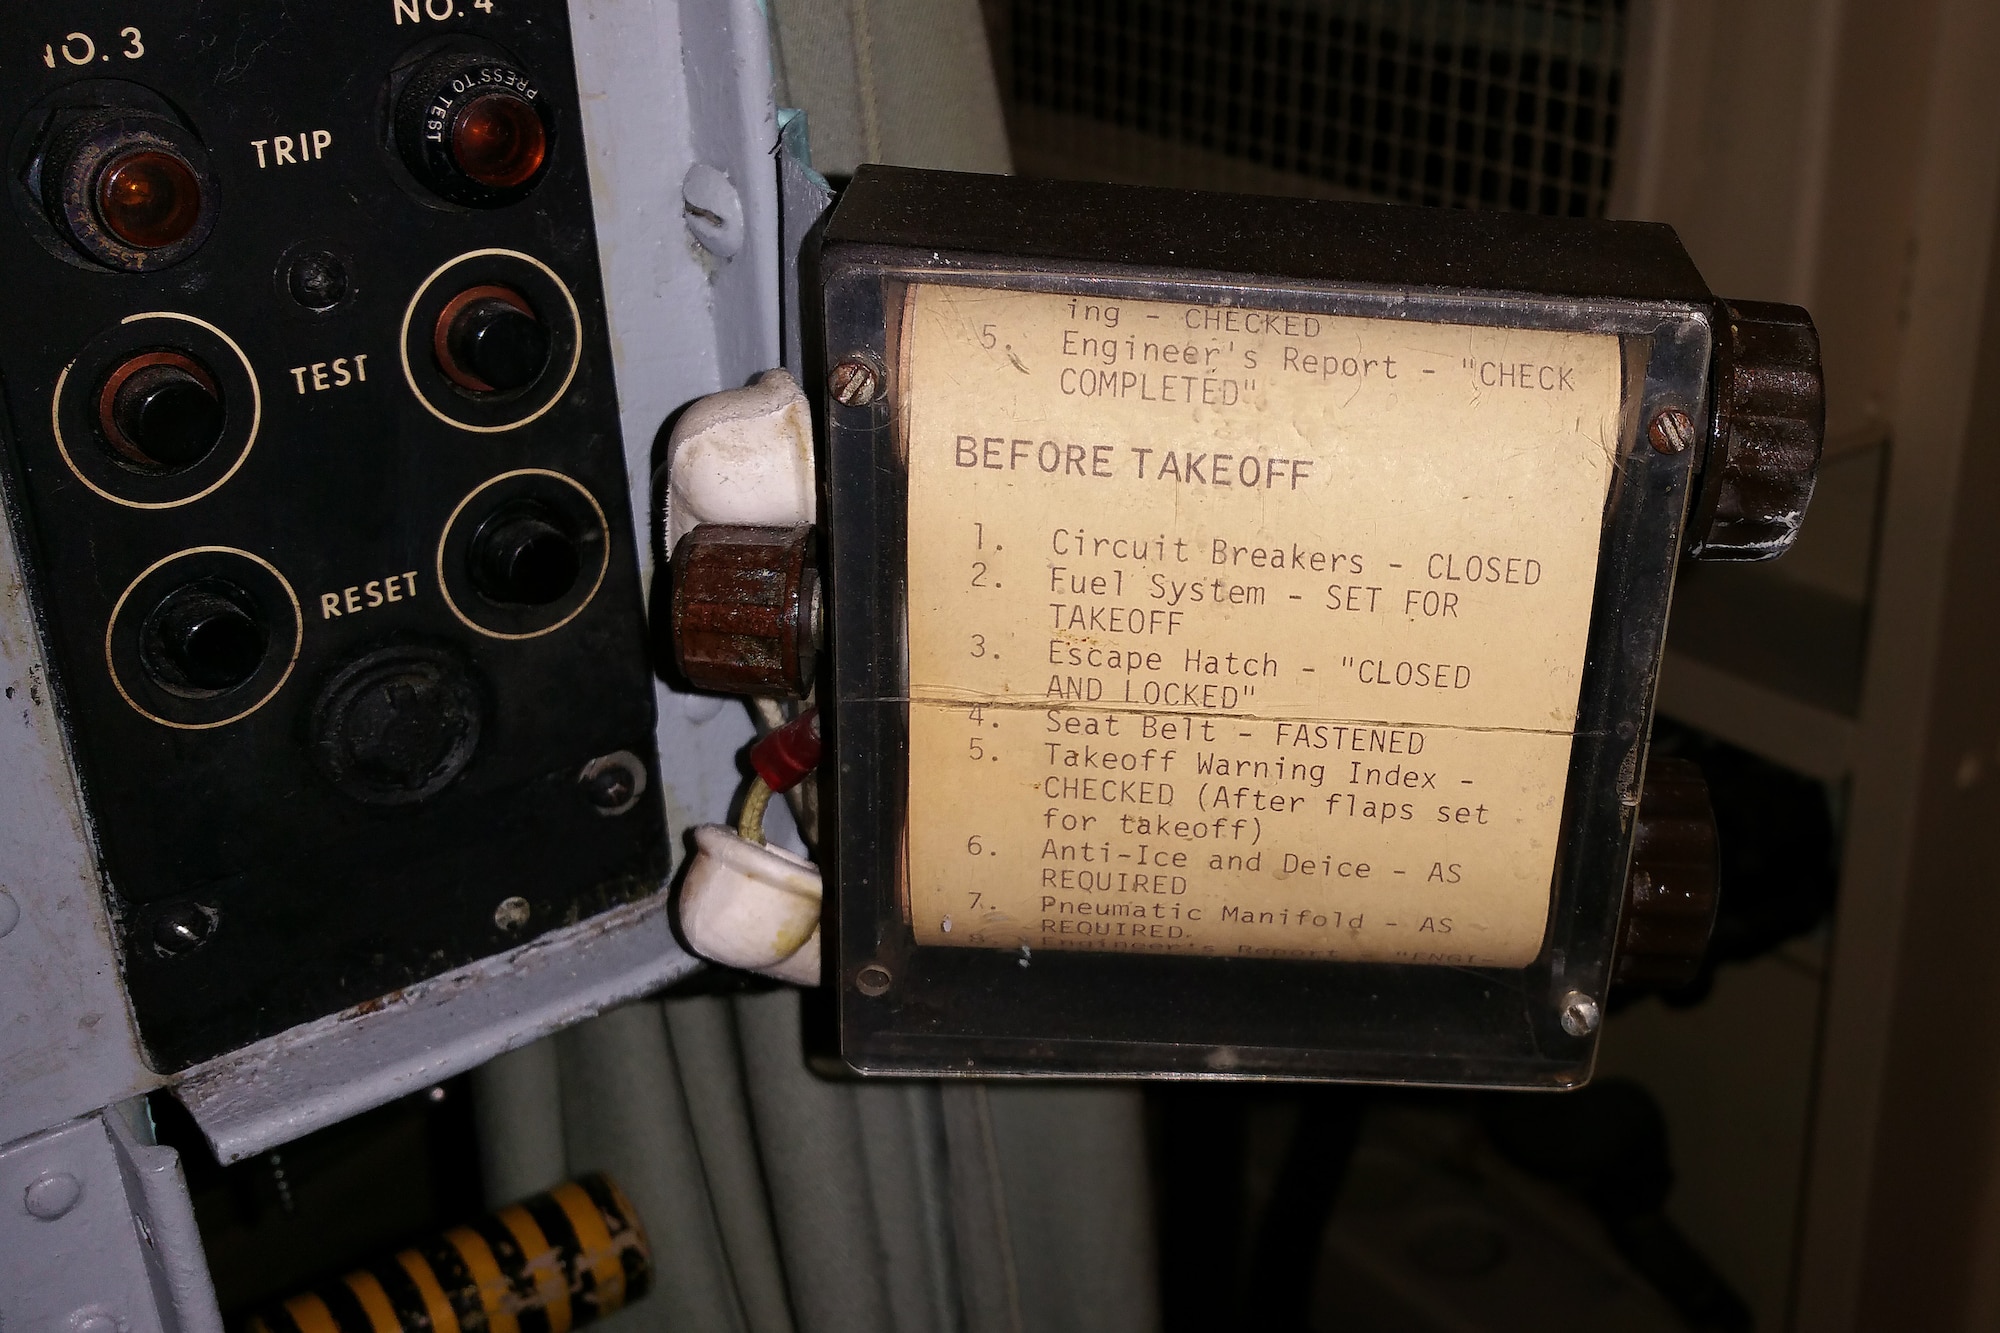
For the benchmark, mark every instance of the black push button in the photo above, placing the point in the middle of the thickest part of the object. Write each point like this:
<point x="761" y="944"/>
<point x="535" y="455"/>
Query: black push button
<point x="204" y="638"/>
<point x="522" y="556"/>
<point x="489" y="340"/>
<point x="500" y="343"/>
<point x="161" y="410"/>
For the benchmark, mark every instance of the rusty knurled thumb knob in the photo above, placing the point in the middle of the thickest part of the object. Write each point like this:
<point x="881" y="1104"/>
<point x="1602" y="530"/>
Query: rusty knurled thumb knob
<point x="1671" y="891"/>
<point x="1764" y="435"/>
<point x="746" y="609"/>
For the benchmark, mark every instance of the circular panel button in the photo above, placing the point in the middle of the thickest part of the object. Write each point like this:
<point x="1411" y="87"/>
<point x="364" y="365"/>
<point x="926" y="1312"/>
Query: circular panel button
<point x="161" y="410"/>
<point x="489" y="340"/>
<point x="157" y="411"/>
<point x="397" y="724"/>
<point x="525" y="556"/>
<point x="204" y="637"/>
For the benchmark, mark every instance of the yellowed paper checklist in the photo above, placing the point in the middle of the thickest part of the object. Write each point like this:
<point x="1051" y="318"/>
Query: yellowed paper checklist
<point x="1242" y="632"/>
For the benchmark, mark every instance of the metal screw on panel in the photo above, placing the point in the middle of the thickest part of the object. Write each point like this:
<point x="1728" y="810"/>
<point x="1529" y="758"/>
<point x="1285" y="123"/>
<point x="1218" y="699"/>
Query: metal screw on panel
<point x="1579" y="1014"/>
<point x="512" y="913"/>
<point x="609" y="788"/>
<point x="52" y="1194"/>
<point x="613" y="782"/>
<point x="1671" y="432"/>
<point x="856" y="380"/>
<point x="873" y="979"/>
<point x="94" y="1319"/>
<point x="10" y="912"/>
<point x="317" y="281"/>
<point x="714" y="210"/>
<point x="182" y="928"/>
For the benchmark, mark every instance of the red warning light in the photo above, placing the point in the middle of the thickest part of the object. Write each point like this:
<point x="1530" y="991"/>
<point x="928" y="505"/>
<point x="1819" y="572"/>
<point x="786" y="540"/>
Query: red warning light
<point x="149" y="199"/>
<point x="498" y="140"/>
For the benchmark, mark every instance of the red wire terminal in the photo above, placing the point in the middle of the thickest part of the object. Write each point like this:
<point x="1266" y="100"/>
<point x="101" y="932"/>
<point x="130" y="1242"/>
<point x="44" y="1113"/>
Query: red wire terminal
<point x="784" y="757"/>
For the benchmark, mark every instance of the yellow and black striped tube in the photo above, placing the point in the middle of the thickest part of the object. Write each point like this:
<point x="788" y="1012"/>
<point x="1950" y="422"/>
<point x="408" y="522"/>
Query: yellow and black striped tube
<point x="545" y="1265"/>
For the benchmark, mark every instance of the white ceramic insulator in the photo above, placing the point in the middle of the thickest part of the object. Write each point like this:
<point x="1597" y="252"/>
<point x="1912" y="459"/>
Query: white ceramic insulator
<point x="744" y="456"/>
<point x="802" y="968"/>
<point x="752" y="906"/>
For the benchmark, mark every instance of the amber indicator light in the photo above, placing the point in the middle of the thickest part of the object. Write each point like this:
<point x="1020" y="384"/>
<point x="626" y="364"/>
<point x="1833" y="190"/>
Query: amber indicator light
<point x="149" y="199"/>
<point x="498" y="140"/>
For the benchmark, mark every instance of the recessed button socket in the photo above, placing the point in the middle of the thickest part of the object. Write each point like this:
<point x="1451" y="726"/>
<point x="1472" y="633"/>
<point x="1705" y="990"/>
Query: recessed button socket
<point x="203" y="638"/>
<point x="160" y="411"/>
<point x="488" y="340"/>
<point x="524" y="555"/>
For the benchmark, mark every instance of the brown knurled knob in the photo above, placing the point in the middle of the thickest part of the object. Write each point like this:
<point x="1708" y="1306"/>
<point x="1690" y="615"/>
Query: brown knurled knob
<point x="1765" y="435"/>
<point x="746" y="609"/>
<point x="1671" y="890"/>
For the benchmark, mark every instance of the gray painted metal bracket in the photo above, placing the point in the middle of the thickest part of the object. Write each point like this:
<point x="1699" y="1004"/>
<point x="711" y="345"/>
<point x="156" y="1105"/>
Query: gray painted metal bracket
<point x="321" y="1072"/>
<point x="803" y="198"/>
<point x="67" y="1043"/>
<point x="97" y="1233"/>
<point x="674" y="92"/>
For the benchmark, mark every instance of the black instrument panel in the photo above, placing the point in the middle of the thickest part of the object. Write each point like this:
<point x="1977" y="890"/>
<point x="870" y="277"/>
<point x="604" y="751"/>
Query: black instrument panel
<point x="314" y="456"/>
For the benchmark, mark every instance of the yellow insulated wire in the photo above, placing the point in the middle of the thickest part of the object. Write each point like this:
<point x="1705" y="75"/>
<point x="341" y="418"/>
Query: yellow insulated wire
<point x="548" y="1264"/>
<point x="750" y="824"/>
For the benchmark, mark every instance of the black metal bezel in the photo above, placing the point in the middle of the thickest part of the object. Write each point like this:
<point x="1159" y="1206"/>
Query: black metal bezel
<point x="976" y="1011"/>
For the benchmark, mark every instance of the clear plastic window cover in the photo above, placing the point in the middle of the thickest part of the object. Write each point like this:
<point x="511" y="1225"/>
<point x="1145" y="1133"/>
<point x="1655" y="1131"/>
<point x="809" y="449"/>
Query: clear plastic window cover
<point x="1082" y="1014"/>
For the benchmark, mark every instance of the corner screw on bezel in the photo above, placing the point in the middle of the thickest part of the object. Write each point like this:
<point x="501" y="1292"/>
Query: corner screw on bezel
<point x="1580" y="1014"/>
<point x="857" y="380"/>
<point x="1672" y="431"/>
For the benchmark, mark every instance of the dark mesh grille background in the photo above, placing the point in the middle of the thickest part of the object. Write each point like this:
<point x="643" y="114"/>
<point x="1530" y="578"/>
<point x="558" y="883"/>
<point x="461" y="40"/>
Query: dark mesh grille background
<point x="1467" y="103"/>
